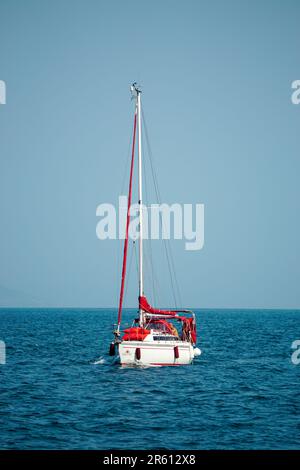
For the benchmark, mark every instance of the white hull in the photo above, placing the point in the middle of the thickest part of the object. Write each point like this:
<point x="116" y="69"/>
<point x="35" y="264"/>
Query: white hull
<point x="158" y="353"/>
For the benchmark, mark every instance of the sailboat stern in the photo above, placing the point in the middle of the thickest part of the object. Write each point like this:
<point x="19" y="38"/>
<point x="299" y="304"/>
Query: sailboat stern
<point x="156" y="353"/>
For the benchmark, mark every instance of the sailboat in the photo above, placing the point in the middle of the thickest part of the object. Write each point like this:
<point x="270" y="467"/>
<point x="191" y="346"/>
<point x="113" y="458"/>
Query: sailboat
<point x="153" y="339"/>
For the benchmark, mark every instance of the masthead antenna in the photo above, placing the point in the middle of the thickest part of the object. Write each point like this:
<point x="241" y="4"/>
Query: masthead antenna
<point x="135" y="90"/>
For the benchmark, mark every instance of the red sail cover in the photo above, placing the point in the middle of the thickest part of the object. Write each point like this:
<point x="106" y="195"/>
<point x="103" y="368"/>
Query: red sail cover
<point x="144" y="305"/>
<point x="189" y="326"/>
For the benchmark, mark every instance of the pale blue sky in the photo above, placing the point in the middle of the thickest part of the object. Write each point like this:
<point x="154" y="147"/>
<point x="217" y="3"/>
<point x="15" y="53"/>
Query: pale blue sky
<point x="216" y="78"/>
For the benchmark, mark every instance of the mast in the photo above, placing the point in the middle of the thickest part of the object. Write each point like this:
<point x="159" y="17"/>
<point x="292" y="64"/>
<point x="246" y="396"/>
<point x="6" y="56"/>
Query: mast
<point x="117" y="332"/>
<point x="140" y="202"/>
<point x="136" y="92"/>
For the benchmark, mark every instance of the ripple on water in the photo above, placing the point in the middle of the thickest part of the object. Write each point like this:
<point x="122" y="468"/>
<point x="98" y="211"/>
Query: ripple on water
<point x="240" y="393"/>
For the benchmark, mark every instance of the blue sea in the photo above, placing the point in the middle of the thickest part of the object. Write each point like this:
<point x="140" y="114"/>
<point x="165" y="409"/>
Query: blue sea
<point x="59" y="389"/>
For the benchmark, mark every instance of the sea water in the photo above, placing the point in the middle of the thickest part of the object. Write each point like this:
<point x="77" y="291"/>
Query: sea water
<point x="60" y="390"/>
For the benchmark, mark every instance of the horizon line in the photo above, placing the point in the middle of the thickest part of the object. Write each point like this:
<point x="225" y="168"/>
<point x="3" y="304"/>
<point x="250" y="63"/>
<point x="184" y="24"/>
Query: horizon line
<point x="136" y="308"/>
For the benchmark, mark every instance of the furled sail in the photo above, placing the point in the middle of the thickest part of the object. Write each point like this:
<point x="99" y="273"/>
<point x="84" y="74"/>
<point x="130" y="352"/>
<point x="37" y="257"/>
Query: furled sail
<point x="146" y="307"/>
<point x="127" y="227"/>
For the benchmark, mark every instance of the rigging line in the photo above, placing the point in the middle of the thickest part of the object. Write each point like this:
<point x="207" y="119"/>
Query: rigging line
<point x="174" y="272"/>
<point x="125" y="173"/>
<point x="154" y="279"/>
<point x="172" y="282"/>
<point x="157" y="294"/>
<point x="122" y="186"/>
<point x="135" y="256"/>
<point x="171" y="274"/>
<point x="167" y="245"/>
<point x="149" y="271"/>
<point x="136" y="259"/>
<point x="117" y="273"/>
<point x="149" y="242"/>
<point x="127" y="227"/>
<point x="128" y="276"/>
<point x="152" y="272"/>
<point x="170" y="255"/>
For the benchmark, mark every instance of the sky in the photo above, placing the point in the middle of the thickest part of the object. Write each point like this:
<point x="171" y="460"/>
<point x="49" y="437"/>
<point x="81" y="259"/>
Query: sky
<point x="216" y="88"/>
